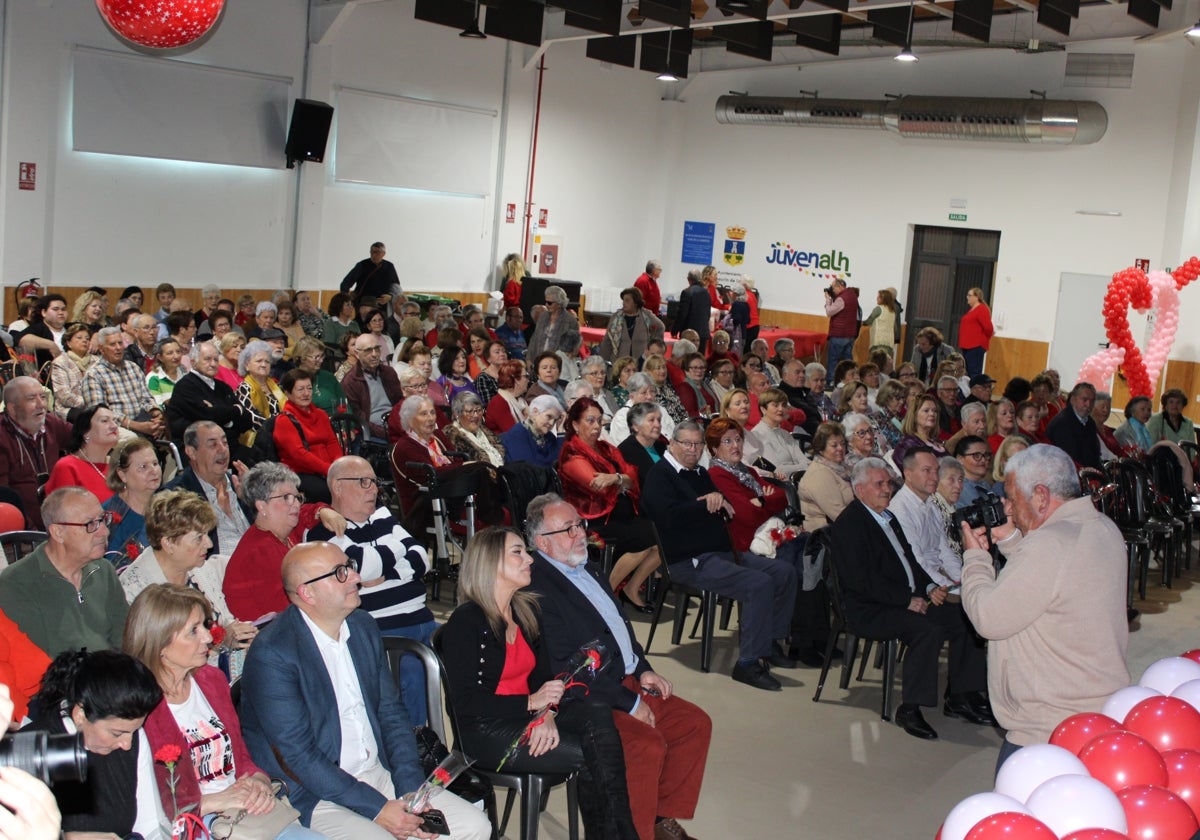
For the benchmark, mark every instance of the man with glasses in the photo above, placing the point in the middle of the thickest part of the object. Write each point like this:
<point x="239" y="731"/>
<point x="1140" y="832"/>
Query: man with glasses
<point x="690" y="516"/>
<point x="320" y="708"/>
<point x="665" y="737"/>
<point x="391" y="562"/>
<point x="948" y="411"/>
<point x="145" y="335"/>
<point x="975" y="456"/>
<point x="64" y="595"/>
<point x="372" y="388"/>
<point x="32" y="439"/>
<point x="511" y="333"/>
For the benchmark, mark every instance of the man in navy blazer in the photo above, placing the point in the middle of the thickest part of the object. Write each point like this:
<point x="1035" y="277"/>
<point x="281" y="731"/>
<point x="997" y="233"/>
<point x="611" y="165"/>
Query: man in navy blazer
<point x="320" y="710"/>
<point x="665" y="738"/>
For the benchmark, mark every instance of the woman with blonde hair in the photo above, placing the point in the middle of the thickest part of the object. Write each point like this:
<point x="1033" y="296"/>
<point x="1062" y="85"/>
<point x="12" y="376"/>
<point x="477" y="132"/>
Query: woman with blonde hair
<point x="89" y="311"/>
<point x="920" y="429"/>
<point x="258" y="394"/>
<point x="514" y="272"/>
<point x="1010" y="447"/>
<point x="134" y="475"/>
<point x="883" y="320"/>
<point x="230" y="346"/>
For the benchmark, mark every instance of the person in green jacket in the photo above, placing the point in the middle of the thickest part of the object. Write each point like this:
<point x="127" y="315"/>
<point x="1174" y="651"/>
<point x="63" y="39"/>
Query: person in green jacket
<point x="1170" y="424"/>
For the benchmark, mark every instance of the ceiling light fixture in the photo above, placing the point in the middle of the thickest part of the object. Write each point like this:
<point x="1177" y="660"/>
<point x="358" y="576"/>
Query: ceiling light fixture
<point x="735" y="5"/>
<point x="666" y="75"/>
<point x="906" y="55"/>
<point x="1194" y="32"/>
<point x="473" y="31"/>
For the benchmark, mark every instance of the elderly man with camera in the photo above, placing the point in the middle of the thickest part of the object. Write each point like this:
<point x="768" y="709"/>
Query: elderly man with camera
<point x="1055" y="614"/>
<point x="841" y="305"/>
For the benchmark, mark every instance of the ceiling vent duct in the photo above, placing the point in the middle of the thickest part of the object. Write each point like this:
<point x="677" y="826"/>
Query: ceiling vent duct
<point x="1052" y="122"/>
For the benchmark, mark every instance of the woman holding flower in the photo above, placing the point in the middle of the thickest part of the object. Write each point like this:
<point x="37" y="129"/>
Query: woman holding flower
<point x="506" y="699"/>
<point x="134" y="474"/>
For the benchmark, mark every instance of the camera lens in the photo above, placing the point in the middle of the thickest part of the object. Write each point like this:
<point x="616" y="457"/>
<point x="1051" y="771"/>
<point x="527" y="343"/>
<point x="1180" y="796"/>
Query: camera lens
<point x="51" y="758"/>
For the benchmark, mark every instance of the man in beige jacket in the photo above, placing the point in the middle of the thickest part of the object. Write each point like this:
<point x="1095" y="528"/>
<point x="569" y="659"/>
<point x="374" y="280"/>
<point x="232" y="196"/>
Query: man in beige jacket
<point x="1055" y="615"/>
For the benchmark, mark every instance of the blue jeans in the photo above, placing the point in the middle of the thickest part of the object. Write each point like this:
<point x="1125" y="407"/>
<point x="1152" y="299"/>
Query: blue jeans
<point x="838" y="349"/>
<point x="412" y="672"/>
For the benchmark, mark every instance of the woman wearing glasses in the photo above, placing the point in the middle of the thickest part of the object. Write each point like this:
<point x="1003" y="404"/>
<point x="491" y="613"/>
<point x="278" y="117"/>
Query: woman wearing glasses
<point x="468" y="434"/>
<point x="253" y="587"/>
<point x="327" y="391"/>
<point x="168" y="630"/>
<point x="500" y="683"/>
<point x="93" y="435"/>
<point x="304" y="437"/>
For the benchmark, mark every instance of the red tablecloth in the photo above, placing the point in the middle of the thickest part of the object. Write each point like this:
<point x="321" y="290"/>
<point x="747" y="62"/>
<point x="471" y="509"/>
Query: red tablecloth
<point x="808" y="343"/>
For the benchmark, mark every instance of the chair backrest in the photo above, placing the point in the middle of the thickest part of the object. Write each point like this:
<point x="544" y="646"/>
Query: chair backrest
<point x="397" y="647"/>
<point x="1132" y="486"/>
<point x="819" y="542"/>
<point x="437" y="649"/>
<point x="17" y="544"/>
<point x="1168" y="477"/>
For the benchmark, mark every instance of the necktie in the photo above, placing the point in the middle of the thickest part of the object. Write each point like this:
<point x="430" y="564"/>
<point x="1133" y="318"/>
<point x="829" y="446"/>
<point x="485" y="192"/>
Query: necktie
<point x="912" y="584"/>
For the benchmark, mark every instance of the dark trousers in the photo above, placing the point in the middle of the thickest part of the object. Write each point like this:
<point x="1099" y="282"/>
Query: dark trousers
<point x="810" y="616"/>
<point x="925" y="635"/>
<point x="589" y="743"/>
<point x="974" y="358"/>
<point x="766" y="589"/>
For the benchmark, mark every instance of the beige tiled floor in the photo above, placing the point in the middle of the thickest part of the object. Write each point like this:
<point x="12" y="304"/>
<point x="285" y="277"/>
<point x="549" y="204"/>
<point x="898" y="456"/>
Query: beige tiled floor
<point x="783" y="766"/>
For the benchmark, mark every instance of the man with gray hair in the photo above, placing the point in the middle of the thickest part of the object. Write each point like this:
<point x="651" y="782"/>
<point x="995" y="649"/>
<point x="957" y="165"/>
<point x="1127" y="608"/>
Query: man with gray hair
<point x="144" y="330"/>
<point x="889" y="595"/>
<point x="647" y="284"/>
<point x="695" y="307"/>
<point x="32" y="439"/>
<point x="199" y="395"/>
<point x="1074" y="431"/>
<point x="121" y="384"/>
<point x="1054" y="616"/>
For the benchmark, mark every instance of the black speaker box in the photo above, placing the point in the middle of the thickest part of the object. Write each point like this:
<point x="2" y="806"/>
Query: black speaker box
<point x="309" y="131"/>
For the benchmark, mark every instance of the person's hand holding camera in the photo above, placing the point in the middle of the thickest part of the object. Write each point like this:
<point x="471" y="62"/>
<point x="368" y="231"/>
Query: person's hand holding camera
<point x="27" y="807"/>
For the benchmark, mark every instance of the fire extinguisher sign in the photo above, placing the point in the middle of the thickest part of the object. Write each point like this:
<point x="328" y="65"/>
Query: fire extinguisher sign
<point x="27" y="176"/>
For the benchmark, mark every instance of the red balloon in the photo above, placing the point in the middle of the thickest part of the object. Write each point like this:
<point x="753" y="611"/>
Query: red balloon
<point x="1154" y="813"/>
<point x="162" y="24"/>
<point x="11" y="518"/>
<point x="1077" y="730"/>
<point x="1009" y="825"/>
<point x="1168" y="723"/>
<point x="1120" y="759"/>
<point x="1095" y="834"/>
<point x="1193" y="655"/>
<point x="1183" y="775"/>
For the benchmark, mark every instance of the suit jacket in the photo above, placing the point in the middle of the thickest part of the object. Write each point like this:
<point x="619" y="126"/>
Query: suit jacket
<point x="1079" y="440"/>
<point x="871" y="576"/>
<point x="694" y="308"/>
<point x="193" y="400"/>
<point x="188" y="480"/>
<point x="569" y="621"/>
<point x="290" y="720"/>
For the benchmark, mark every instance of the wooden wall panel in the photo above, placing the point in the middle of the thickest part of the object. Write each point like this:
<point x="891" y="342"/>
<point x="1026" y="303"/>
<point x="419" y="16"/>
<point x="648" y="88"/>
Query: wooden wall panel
<point x="1009" y="357"/>
<point x="1185" y="376"/>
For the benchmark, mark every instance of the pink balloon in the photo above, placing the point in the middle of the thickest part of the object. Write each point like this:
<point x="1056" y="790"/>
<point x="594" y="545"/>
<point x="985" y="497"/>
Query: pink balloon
<point x="1154" y="813"/>
<point x="1121" y="759"/>
<point x="1010" y="826"/>
<point x="1168" y="723"/>
<point x="1077" y="730"/>
<point x="1069" y="803"/>
<point x="966" y="814"/>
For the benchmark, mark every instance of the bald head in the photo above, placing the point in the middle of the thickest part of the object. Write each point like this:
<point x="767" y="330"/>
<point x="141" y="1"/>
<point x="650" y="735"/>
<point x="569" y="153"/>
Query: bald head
<point x="302" y="562"/>
<point x="323" y="584"/>
<point x="353" y="488"/>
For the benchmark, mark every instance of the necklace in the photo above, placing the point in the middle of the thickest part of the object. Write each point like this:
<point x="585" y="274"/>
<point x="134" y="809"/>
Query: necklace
<point x="92" y="463"/>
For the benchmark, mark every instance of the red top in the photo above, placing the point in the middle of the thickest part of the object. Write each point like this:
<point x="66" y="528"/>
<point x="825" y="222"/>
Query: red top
<point x="975" y="329"/>
<point x="579" y="463"/>
<point x="253" y="586"/>
<point x="499" y="416"/>
<point x="715" y="298"/>
<point x="518" y="665"/>
<point x="323" y="447"/>
<point x="651" y="296"/>
<point x="22" y="664"/>
<point x="512" y="294"/>
<point x="752" y="301"/>
<point x="747" y="516"/>
<point x="73" y="471"/>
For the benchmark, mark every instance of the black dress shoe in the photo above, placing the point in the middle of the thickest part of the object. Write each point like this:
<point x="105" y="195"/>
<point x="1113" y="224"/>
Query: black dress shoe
<point x="779" y="659"/>
<point x="982" y="706"/>
<point x="957" y="706"/>
<point x="913" y="722"/>
<point x="756" y="675"/>
<point x="644" y="609"/>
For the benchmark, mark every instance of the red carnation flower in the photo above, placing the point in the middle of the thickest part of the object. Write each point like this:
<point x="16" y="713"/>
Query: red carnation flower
<point x="168" y="753"/>
<point x="218" y="634"/>
<point x="442" y="777"/>
<point x="593" y="660"/>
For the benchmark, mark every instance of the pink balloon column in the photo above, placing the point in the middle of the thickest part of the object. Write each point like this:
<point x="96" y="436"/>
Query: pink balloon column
<point x="161" y="24"/>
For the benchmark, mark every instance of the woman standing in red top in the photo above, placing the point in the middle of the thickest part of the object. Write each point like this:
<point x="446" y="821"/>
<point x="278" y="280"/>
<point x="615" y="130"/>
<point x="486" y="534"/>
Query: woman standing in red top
<point x="975" y="331"/>
<point x="514" y="271"/>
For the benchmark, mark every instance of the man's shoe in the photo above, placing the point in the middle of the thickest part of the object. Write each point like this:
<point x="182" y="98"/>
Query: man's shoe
<point x="756" y="675"/>
<point x="957" y="706"/>
<point x="982" y="706"/>
<point x="668" y="829"/>
<point x="779" y="659"/>
<point x="913" y="722"/>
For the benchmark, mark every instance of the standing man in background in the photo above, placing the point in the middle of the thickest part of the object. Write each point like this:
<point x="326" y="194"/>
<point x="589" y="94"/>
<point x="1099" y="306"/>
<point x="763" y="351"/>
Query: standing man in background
<point x="370" y="281"/>
<point x="647" y="284"/>
<point x="841" y="305"/>
<point x="694" y="309"/>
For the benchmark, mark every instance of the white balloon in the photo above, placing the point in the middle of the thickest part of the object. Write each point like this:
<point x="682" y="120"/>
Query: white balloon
<point x="1029" y="766"/>
<point x="968" y="813"/>
<point x="1070" y="803"/>
<point x="1118" y="706"/>
<point x="1189" y="693"/>
<point x="1168" y="674"/>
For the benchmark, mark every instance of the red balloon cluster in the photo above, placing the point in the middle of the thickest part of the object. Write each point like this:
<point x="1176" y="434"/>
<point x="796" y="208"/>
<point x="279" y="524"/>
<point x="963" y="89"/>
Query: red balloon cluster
<point x="161" y="24"/>
<point x="1187" y="272"/>
<point x="1129" y="287"/>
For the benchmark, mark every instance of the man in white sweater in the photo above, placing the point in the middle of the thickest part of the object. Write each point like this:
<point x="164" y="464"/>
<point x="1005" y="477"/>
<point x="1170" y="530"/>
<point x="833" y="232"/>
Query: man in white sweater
<point x="1055" y="615"/>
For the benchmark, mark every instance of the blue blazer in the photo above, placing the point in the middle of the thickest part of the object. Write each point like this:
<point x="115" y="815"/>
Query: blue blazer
<point x="290" y="717"/>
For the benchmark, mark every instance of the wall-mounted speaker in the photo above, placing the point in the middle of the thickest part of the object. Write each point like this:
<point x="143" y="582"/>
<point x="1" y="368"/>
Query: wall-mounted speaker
<point x="309" y="132"/>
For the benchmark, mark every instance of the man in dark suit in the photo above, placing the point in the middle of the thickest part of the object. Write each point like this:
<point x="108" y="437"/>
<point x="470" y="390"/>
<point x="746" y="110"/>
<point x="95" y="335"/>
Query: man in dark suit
<point x="320" y="709"/>
<point x="199" y="395"/>
<point x="695" y="306"/>
<point x="665" y="738"/>
<point x="1074" y="431"/>
<point x="889" y="595"/>
<point x="209" y="477"/>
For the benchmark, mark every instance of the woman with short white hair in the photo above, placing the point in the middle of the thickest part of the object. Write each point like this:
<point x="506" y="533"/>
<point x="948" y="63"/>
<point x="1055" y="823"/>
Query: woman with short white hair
<point x="641" y="389"/>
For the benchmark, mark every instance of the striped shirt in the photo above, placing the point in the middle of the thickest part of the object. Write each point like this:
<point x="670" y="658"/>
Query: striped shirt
<point x="383" y="549"/>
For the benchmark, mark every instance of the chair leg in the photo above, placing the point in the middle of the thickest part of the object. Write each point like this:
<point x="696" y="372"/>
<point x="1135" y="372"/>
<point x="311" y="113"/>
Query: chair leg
<point x="682" y="599"/>
<point x="834" y="632"/>
<point x="531" y="805"/>
<point x="866" y="655"/>
<point x="848" y="660"/>
<point x="508" y="806"/>
<point x="490" y="806"/>
<point x="660" y="599"/>
<point x="889" y="674"/>
<point x="706" y="640"/>
<point x="727" y="613"/>
<point x="573" y="808"/>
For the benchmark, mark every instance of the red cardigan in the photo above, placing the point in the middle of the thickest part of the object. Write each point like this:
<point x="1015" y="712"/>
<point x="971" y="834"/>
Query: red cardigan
<point x="687" y="397"/>
<point x="746" y="517"/>
<point x="161" y="730"/>
<point x="22" y="664"/>
<point x="975" y="329"/>
<point x="578" y="464"/>
<point x="406" y="450"/>
<point x="323" y="447"/>
<point x="512" y="294"/>
<point x="499" y="416"/>
<point x="253" y="586"/>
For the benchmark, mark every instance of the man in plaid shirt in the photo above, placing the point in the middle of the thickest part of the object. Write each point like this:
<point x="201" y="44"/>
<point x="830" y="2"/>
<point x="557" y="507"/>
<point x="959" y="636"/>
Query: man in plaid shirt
<point x="121" y="384"/>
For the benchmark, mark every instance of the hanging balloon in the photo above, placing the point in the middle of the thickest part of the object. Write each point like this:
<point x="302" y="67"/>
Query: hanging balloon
<point x="161" y="24"/>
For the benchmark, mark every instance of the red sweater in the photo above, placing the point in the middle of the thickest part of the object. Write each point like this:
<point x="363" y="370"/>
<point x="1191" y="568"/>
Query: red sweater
<point x="651" y="295"/>
<point x="73" y="471"/>
<point x="22" y="664"/>
<point x="975" y="329"/>
<point x="499" y="416"/>
<point x="512" y="294"/>
<point x="747" y="517"/>
<point x="578" y="464"/>
<point x="253" y="586"/>
<point x="323" y="447"/>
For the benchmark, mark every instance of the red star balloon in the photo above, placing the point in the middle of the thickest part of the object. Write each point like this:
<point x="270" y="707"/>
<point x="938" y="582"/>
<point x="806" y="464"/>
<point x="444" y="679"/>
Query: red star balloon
<point x="161" y="24"/>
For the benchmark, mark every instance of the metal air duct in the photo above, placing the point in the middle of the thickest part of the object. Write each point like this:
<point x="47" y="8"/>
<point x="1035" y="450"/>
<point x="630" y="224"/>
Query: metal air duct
<point x="1057" y="122"/>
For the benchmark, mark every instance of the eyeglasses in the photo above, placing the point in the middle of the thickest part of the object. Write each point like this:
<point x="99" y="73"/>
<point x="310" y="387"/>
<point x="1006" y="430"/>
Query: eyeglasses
<point x="222" y="827"/>
<point x="92" y="525"/>
<point x="690" y="444"/>
<point x="737" y="441"/>
<point x="365" y="482"/>
<point x="289" y="498"/>
<point x="341" y="571"/>
<point x="864" y="433"/>
<point x="573" y="530"/>
<point x="423" y="386"/>
<point x="978" y="456"/>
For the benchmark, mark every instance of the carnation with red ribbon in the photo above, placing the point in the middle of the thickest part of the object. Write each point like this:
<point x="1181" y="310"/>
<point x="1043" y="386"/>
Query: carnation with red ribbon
<point x="218" y="635"/>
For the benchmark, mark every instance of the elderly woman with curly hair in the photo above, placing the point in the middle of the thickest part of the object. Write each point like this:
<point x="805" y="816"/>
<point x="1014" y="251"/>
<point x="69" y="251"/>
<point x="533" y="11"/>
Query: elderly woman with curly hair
<point x="68" y="368"/>
<point x="468" y="434"/>
<point x="259" y="394"/>
<point x="533" y="440"/>
<point x="641" y="389"/>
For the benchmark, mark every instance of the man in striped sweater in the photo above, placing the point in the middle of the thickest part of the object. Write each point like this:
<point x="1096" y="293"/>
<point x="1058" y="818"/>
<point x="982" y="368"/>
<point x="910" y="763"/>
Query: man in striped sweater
<point x="390" y="561"/>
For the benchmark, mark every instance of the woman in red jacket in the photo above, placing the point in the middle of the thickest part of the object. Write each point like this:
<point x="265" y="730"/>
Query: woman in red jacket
<point x="754" y="502"/>
<point x="604" y="488"/>
<point x="975" y="331"/>
<point x="304" y="437"/>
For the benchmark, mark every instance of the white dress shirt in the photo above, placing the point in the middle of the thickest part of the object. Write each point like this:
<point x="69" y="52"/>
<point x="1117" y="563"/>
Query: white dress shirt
<point x="924" y="527"/>
<point x="360" y="751"/>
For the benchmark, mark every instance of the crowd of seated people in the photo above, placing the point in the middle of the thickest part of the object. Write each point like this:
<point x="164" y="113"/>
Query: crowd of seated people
<point x="197" y="551"/>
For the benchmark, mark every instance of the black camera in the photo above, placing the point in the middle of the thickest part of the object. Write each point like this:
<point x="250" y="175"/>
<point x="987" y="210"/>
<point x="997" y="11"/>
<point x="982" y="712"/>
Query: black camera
<point x="829" y="291"/>
<point x="51" y="758"/>
<point x="985" y="512"/>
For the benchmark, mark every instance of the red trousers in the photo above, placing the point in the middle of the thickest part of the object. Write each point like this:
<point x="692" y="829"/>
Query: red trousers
<point x="664" y="764"/>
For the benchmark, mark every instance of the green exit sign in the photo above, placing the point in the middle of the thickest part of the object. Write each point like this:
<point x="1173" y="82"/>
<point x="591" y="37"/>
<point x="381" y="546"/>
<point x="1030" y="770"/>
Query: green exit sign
<point x="958" y="217"/>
